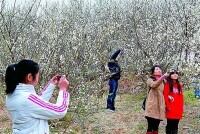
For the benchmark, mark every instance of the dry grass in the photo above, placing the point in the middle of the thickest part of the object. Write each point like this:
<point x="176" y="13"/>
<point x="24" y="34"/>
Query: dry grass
<point x="127" y="119"/>
<point x="5" y="122"/>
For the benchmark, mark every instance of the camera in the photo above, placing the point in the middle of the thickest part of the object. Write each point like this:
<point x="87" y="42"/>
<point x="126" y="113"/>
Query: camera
<point x="58" y="77"/>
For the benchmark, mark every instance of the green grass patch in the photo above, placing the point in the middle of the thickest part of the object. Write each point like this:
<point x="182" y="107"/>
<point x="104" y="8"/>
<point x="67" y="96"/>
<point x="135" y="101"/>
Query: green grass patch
<point x="7" y="130"/>
<point x="141" y="127"/>
<point x="1" y="104"/>
<point x="138" y="108"/>
<point x="4" y="119"/>
<point x="95" y="130"/>
<point x="54" y="130"/>
<point x="189" y="98"/>
<point x="67" y="117"/>
<point x="137" y="97"/>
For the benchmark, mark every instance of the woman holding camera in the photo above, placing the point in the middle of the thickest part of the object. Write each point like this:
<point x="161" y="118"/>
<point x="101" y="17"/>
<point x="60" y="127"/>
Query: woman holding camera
<point x="30" y="112"/>
<point x="173" y="94"/>
<point x="155" y="104"/>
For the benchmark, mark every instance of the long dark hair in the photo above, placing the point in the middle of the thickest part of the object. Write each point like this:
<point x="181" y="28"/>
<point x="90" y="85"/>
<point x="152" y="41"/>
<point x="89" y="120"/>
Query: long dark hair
<point x="171" y="85"/>
<point x="16" y="73"/>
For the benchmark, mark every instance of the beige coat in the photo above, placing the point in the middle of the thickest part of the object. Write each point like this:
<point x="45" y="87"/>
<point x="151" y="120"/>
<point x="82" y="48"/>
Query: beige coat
<point x="155" y="103"/>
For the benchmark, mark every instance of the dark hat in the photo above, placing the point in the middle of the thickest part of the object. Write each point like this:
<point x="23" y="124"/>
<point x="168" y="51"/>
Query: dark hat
<point x="115" y="54"/>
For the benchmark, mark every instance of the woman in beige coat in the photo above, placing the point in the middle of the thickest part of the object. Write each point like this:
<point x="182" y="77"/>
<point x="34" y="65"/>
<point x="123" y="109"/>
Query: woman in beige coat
<point x="155" y="103"/>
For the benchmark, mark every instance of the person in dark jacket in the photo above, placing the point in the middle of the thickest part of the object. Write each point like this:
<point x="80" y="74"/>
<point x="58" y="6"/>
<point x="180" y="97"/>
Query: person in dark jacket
<point x="114" y="70"/>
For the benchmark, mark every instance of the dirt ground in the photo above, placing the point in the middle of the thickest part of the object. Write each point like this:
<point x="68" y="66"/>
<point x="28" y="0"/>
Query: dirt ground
<point x="5" y="122"/>
<point x="127" y="119"/>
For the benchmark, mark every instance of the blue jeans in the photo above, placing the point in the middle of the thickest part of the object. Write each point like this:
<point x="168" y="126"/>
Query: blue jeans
<point x="112" y="94"/>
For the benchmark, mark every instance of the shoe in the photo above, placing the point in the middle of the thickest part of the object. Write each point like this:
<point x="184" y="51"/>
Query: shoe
<point x="111" y="109"/>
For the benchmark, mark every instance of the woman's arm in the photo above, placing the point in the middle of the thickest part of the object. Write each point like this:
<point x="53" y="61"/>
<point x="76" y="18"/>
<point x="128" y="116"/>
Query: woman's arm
<point x="42" y="109"/>
<point x="154" y="84"/>
<point x="47" y="91"/>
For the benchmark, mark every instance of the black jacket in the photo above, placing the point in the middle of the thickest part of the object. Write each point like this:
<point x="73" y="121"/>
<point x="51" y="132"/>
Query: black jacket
<point x="114" y="69"/>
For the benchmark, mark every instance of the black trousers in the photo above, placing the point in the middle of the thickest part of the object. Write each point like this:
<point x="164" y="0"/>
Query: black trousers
<point x="172" y="124"/>
<point x="152" y="124"/>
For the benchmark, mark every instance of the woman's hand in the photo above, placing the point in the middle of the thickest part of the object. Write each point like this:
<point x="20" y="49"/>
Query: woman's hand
<point x="170" y="98"/>
<point x="63" y="83"/>
<point x="54" y="80"/>
<point x="168" y="109"/>
<point x="166" y="75"/>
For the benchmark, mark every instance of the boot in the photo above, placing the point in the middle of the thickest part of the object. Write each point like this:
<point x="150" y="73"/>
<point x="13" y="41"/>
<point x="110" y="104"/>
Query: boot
<point x="174" y="131"/>
<point x="155" y="132"/>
